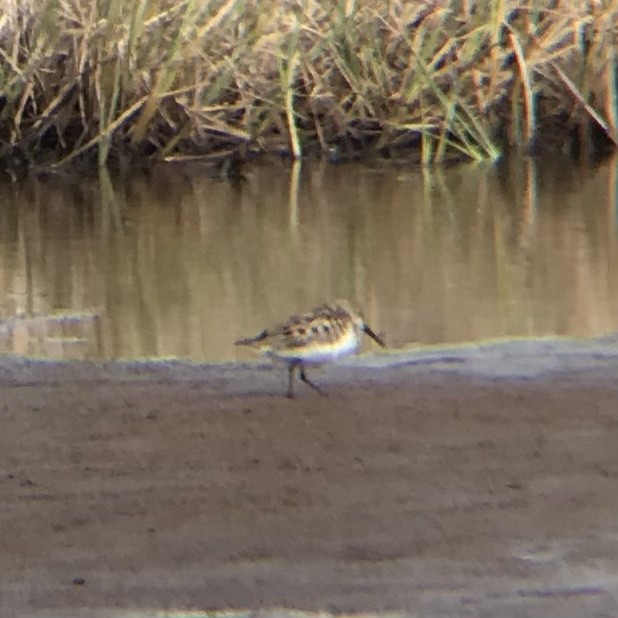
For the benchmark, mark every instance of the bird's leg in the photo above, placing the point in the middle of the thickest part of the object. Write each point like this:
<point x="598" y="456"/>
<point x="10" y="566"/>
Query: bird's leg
<point x="291" y="368"/>
<point x="308" y="382"/>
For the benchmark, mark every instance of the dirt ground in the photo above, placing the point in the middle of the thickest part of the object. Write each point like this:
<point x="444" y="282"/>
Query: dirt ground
<point x="475" y="482"/>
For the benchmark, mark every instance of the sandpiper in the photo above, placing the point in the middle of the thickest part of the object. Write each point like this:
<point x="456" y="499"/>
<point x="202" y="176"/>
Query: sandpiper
<point x="324" y="334"/>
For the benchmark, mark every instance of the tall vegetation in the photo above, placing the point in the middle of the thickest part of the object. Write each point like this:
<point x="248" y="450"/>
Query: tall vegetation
<point x="167" y="79"/>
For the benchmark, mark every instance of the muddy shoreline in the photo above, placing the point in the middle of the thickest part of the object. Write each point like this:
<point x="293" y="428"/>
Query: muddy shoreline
<point x="472" y="481"/>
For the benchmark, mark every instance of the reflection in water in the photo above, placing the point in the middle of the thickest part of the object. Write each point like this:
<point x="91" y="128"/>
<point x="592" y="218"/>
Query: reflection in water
<point x="176" y="265"/>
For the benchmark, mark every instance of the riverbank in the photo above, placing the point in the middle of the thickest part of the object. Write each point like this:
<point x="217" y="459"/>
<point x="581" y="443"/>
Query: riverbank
<point x="132" y="83"/>
<point x="475" y="480"/>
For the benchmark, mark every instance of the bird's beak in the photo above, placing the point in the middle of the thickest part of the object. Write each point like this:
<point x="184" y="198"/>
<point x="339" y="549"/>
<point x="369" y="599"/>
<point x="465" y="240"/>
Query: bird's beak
<point x="369" y="332"/>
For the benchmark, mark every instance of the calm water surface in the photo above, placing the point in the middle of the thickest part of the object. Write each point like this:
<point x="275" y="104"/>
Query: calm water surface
<point x="177" y="265"/>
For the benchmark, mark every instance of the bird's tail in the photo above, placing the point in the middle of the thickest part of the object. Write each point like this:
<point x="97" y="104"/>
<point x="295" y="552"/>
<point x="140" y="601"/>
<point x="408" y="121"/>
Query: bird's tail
<point x="252" y="340"/>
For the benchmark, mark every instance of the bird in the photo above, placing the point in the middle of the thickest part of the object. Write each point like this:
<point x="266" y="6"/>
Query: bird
<point x="325" y="333"/>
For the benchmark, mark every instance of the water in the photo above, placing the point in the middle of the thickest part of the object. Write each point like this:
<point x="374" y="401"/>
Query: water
<point x="173" y="264"/>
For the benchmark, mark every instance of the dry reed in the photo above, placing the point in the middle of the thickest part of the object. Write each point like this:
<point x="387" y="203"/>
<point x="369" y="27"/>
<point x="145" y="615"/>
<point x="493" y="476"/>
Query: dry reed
<point x="167" y="79"/>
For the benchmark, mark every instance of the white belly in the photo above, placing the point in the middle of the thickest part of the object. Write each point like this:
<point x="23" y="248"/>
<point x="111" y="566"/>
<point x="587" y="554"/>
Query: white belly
<point x="317" y="353"/>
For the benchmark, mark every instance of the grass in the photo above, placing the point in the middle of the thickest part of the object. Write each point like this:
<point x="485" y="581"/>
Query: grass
<point x="111" y="80"/>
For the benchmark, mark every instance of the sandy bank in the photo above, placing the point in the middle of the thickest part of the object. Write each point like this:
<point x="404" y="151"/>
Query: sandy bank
<point x="470" y="481"/>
